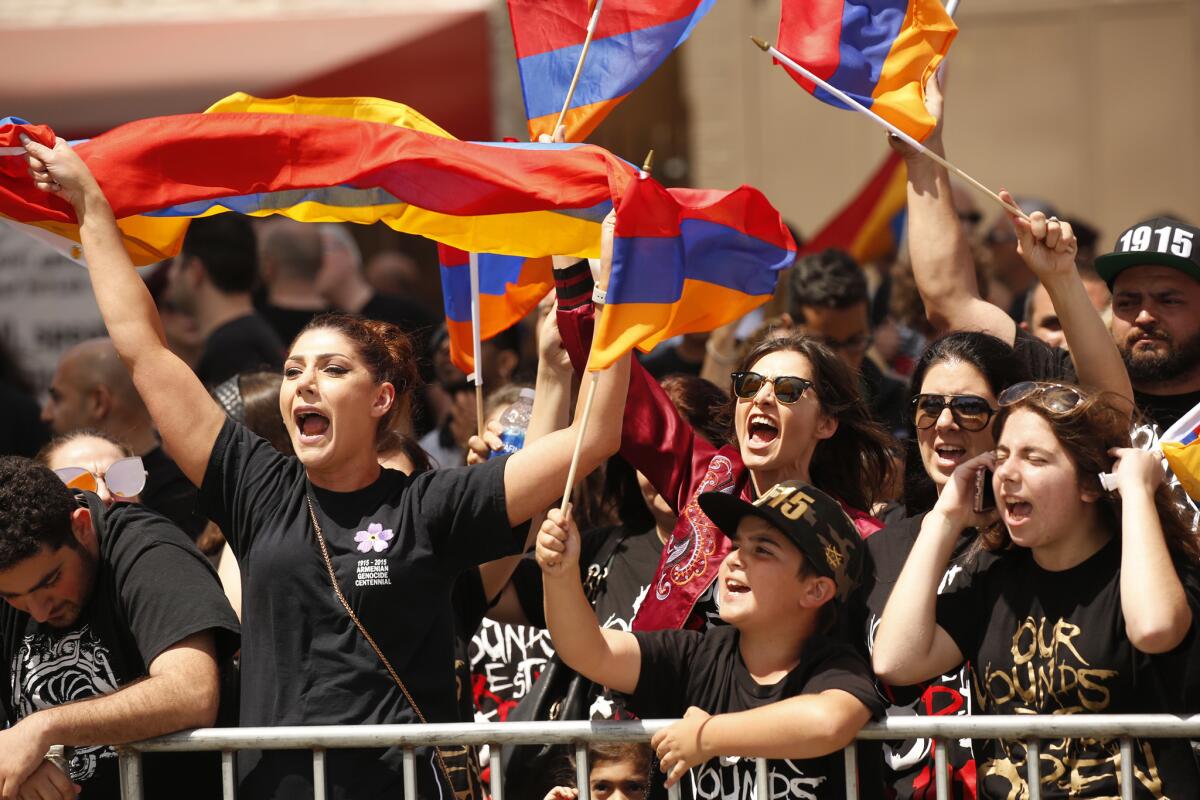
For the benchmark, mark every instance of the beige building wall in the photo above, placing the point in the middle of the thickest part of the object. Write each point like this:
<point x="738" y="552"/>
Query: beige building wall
<point x="1092" y="105"/>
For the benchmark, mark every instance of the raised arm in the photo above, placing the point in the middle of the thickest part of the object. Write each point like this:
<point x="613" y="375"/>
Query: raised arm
<point x="909" y="644"/>
<point x="1153" y="601"/>
<point x="1049" y="248"/>
<point x="610" y="658"/>
<point x="805" y="726"/>
<point x="534" y="477"/>
<point x="655" y="438"/>
<point x="187" y="418"/>
<point x="551" y="412"/>
<point x="182" y="691"/>
<point x="942" y="265"/>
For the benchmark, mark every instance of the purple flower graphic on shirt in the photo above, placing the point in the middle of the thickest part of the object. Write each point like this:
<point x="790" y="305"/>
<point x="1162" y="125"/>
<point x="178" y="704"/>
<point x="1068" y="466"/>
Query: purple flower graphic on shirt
<point x="373" y="538"/>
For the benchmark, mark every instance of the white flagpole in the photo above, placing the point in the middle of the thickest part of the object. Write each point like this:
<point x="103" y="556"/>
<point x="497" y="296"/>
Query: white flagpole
<point x="901" y="135"/>
<point x="476" y="343"/>
<point x="587" y="43"/>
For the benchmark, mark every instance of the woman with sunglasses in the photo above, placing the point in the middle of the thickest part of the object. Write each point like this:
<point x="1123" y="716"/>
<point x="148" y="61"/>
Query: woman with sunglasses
<point x="329" y="531"/>
<point x="956" y="385"/>
<point x="797" y="414"/>
<point x="1086" y="606"/>
<point x="94" y="462"/>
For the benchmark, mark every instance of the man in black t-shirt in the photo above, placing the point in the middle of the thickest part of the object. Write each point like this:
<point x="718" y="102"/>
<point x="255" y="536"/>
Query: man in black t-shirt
<point x="1154" y="274"/>
<point x="113" y="630"/>
<point x="92" y="390"/>
<point x="802" y="696"/>
<point x="210" y="280"/>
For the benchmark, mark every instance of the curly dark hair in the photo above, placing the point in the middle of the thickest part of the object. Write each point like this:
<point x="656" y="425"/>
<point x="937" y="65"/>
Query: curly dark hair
<point x="829" y="279"/>
<point x="35" y="510"/>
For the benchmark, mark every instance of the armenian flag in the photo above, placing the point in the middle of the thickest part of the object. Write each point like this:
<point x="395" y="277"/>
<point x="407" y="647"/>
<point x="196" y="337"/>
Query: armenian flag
<point x="632" y="38"/>
<point x="880" y="52"/>
<point x="319" y="160"/>
<point x="870" y="226"/>
<point x="684" y="261"/>
<point x="1180" y="448"/>
<point x="509" y="288"/>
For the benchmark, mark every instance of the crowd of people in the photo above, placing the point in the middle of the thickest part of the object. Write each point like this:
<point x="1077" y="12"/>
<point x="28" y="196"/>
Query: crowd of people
<point x="924" y="487"/>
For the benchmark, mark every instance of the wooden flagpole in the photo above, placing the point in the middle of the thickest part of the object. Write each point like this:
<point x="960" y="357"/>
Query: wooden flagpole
<point x="587" y="43"/>
<point x="591" y="395"/>
<point x="765" y="46"/>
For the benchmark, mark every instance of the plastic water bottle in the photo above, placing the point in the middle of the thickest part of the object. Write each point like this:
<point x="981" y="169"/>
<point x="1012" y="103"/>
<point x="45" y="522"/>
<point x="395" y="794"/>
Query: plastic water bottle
<point x="515" y="421"/>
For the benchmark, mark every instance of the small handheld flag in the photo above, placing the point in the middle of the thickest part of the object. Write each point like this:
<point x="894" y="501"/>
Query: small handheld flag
<point x="509" y="288"/>
<point x="687" y="260"/>
<point x="879" y="52"/>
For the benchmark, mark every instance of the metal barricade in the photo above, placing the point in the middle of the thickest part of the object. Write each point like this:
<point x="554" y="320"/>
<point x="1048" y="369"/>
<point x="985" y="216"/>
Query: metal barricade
<point x="1028" y="729"/>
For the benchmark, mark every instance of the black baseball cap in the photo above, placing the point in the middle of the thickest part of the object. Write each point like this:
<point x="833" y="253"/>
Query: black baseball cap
<point x="811" y="519"/>
<point x="1160" y="241"/>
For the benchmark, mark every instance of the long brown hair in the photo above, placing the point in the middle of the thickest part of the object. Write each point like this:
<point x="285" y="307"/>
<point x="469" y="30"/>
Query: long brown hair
<point x="389" y="355"/>
<point x="855" y="464"/>
<point x="1087" y="432"/>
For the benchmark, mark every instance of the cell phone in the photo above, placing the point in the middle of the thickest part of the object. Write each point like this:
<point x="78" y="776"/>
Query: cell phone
<point x="985" y="496"/>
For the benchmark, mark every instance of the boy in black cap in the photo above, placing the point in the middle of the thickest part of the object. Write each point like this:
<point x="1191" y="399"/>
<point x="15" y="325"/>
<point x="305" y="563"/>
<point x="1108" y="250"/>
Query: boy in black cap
<point x="771" y="684"/>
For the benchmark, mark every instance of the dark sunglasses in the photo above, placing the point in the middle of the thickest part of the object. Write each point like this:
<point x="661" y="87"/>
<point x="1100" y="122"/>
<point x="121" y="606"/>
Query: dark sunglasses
<point x="1054" y="397"/>
<point x="970" y="412"/>
<point x="788" y="388"/>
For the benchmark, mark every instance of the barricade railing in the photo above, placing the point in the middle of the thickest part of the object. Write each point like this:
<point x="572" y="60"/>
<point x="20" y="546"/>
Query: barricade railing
<point x="1030" y="730"/>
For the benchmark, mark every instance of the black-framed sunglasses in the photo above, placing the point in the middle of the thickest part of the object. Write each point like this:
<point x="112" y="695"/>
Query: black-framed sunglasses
<point x="1056" y="398"/>
<point x="788" y="388"/>
<point x="970" y="412"/>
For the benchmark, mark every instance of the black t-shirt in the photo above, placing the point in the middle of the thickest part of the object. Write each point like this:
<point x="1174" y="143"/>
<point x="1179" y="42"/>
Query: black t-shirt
<point x="627" y="576"/>
<point x="170" y="493"/>
<point x="241" y="345"/>
<point x="1043" y="642"/>
<point x="689" y="668"/>
<point x="152" y="590"/>
<point x="1164" y="410"/>
<point x="286" y="322"/>
<point x="908" y="765"/>
<point x="22" y="432"/>
<point x="397" y="546"/>
<point x="886" y="397"/>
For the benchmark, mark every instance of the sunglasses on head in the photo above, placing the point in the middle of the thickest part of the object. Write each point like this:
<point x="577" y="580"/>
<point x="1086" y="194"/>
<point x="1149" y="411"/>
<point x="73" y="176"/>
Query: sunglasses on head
<point x="125" y="478"/>
<point x="788" y="388"/>
<point x="1054" y="397"/>
<point x="969" y="412"/>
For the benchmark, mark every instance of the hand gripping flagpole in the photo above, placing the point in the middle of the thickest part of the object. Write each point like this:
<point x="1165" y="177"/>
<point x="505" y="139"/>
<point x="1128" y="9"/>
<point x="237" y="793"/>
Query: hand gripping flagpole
<point x="765" y="46"/>
<point x="591" y="393"/>
<point x="476" y="343"/>
<point x="587" y="43"/>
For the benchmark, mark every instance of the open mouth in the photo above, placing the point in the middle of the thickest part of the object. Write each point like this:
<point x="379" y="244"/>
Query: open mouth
<point x="736" y="587"/>
<point x="950" y="454"/>
<point x="1017" y="510"/>
<point x="762" y="430"/>
<point x="312" y="426"/>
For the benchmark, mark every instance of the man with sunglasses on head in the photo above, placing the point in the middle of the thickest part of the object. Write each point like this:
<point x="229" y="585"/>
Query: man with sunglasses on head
<point x="113" y="629"/>
<point x="92" y="390"/>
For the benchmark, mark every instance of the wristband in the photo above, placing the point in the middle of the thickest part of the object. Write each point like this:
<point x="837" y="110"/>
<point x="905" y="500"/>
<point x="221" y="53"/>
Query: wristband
<point x="598" y="295"/>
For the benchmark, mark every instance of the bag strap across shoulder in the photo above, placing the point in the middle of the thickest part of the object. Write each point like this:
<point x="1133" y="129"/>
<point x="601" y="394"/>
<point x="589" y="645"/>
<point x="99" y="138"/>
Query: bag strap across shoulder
<point x="337" y="590"/>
